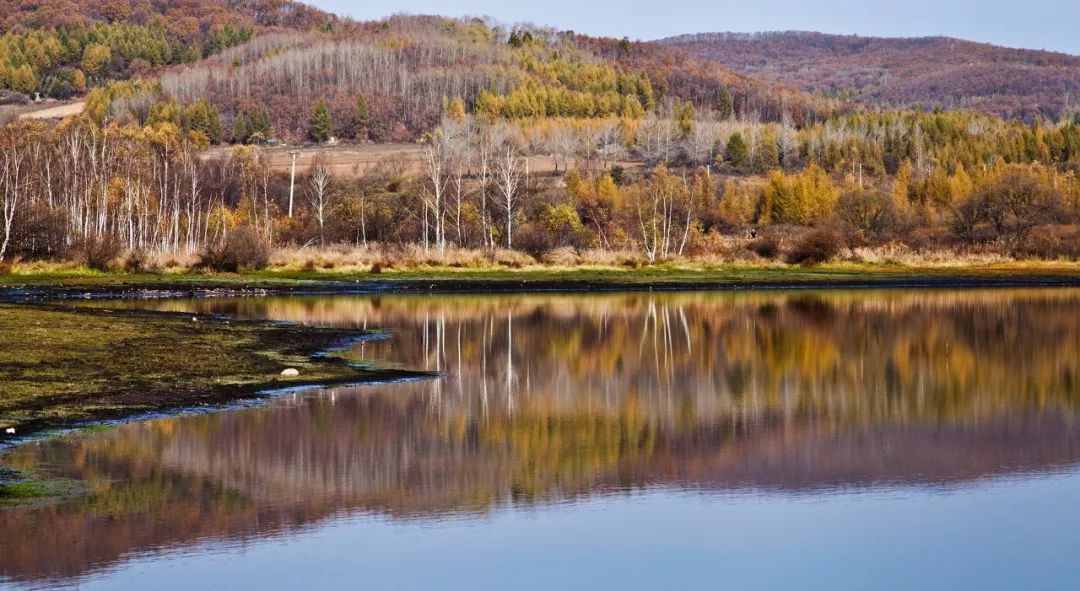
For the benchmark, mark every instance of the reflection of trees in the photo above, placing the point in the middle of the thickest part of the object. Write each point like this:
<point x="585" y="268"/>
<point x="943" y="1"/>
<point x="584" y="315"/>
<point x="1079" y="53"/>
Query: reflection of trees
<point x="842" y="356"/>
<point x="548" y="398"/>
<point x="836" y="359"/>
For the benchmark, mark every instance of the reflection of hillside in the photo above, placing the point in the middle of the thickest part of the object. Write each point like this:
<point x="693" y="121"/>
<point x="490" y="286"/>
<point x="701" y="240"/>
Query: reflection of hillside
<point x="261" y="472"/>
<point x="551" y="398"/>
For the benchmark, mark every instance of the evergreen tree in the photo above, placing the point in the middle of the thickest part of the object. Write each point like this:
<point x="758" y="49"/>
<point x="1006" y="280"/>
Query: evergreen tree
<point x="23" y="79"/>
<point x="684" y="118"/>
<point x="95" y="57"/>
<point x="360" y="117"/>
<point x="724" y="106"/>
<point x="488" y="105"/>
<point x="768" y="155"/>
<point x="646" y="94"/>
<point x="321" y="126"/>
<point x="737" y="151"/>
<point x="241" y="129"/>
<point x="737" y="205"/>
<point x="260" y="123"/>
<point x="252" y="126"/>
<point x="78" y="81"/>
<point x="203" y="117"/>
<point x="456" y="109"/>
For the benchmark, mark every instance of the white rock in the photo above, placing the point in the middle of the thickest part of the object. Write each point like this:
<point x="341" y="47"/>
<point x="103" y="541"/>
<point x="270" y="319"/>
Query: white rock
<point x="10" y="430"/>
<point x="291" y="372"/>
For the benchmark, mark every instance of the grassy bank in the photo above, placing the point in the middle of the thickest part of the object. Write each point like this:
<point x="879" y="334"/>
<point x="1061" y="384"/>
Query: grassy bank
<point x="63" y="366"/>
<point x="436" y="277"/>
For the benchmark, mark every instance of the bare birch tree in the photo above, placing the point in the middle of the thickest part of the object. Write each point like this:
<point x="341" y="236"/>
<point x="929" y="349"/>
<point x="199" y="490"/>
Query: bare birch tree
<point x="319" y="195"/>
<point x="508" y="172"/>
<point x="13" y="180"/>
<point x="438" y="154"/>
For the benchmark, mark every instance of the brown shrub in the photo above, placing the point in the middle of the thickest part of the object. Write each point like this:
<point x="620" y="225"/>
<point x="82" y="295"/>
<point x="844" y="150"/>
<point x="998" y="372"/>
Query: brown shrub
<point x="815" y="247"/>
<point x="1052" y="242"/>
<point x="766" y="247"/>
<point x="872" y="214"/>
<point x="1014" y="204"/>
<point x="563" y="256"/>
<point x="137" y="261"/>
<point x="242" y="250"/>
<point x="39" y="233"/>
<point x="513" y="259"/>
<point x="98" y="252"/>
<point x="534" y="239"/>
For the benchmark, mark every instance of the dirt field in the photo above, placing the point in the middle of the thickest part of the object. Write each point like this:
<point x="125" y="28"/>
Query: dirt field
<point x="352" y="161"/>
<point x="52" y="111"/>
<point x="345" y="161"/>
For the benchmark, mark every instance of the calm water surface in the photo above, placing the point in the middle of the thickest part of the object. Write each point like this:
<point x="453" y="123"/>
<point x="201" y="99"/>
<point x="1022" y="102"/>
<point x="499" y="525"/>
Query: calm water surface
<point x="841" y="440"/>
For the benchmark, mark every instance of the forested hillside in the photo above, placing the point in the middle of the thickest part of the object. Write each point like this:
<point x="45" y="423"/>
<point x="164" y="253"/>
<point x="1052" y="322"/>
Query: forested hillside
<point x="931" y="72"/>
<point x="287" y="56"/>
<point x="60" y="48"/>
<point x="183" y="16"/>
<point x="392" y="80"/>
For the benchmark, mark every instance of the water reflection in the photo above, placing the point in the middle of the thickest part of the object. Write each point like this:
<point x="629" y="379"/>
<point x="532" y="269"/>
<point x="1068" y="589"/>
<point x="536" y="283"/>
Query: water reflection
<point x="560" y="398"/>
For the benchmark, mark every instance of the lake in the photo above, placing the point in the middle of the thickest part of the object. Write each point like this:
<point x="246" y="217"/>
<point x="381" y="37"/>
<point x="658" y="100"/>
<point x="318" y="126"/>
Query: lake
<point x="749" y="440"/>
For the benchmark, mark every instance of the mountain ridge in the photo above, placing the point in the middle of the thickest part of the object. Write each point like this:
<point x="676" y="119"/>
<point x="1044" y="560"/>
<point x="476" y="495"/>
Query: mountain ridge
<point x="929" y="72"/>
<point x="809" y="33"/>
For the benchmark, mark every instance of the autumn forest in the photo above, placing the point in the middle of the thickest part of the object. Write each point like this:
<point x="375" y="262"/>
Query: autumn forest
<point x="518" y="145"/>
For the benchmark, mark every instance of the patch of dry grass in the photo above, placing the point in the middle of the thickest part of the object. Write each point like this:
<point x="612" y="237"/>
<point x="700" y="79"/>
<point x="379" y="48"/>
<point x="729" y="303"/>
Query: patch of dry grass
<point x="718" y="254"/>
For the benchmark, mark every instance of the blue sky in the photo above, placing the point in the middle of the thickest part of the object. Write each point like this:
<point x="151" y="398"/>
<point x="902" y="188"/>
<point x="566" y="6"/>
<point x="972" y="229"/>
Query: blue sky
<point x="1037" y="24"/>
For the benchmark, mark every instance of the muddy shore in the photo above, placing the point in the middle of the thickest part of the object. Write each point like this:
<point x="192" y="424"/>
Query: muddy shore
<point x="67" y="366"/>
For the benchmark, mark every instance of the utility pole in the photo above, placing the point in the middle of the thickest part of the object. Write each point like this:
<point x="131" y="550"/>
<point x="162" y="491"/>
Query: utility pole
<point x="292" y="180"/>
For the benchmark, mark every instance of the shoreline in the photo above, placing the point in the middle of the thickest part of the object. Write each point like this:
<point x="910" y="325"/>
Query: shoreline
<point x="70" y="286"/>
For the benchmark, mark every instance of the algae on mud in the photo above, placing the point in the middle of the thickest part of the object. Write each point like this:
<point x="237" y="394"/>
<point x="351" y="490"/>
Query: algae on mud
<point x="63" y="366"/>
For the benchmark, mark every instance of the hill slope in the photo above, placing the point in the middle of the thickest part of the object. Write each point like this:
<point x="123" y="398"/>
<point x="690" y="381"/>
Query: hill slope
<point x="931" y="72"/>
<point x="274" y="60"/>
<point x="406" y="70"/>
<point x="178" y="15"/>
<point x="59" y="47"/>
